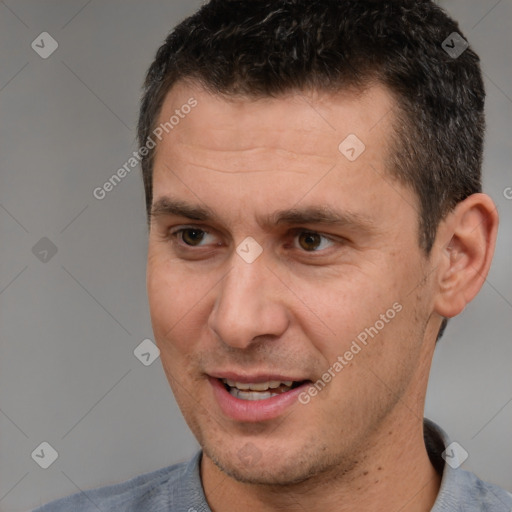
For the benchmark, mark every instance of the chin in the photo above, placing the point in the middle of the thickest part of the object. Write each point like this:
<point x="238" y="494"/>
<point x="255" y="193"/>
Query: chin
<point x="270" y="470"/>
<point x="261" y="475"/>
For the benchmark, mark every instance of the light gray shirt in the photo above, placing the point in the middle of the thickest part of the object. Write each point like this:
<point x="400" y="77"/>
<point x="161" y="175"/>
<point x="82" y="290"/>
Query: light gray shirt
<point x="178" y="488"/>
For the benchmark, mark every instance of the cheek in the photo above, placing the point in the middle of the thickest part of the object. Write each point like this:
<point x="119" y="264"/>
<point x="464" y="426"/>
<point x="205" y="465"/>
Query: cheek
<point x="345" y="306"/>
<point x="168" y="298"/>
<point x="159" y="296"/>
<point x="178" y="305"/>
<point x="373" y="326"/>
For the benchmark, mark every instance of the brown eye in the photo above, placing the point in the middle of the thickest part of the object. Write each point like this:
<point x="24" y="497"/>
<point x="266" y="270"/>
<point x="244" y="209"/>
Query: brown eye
<point x="309" y="241"/>
<point x="192" y="236"/>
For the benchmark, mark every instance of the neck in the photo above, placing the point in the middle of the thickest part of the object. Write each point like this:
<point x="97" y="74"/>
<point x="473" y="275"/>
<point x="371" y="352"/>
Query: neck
<point x="396" y="474"/>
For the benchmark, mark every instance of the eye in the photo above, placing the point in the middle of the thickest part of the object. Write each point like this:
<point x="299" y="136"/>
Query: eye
<point x="311" y="241"/>
<point x="191" y="236"/>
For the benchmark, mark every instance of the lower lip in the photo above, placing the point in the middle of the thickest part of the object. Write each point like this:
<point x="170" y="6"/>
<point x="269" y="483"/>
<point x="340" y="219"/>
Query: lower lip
<point x="253" y="410"/>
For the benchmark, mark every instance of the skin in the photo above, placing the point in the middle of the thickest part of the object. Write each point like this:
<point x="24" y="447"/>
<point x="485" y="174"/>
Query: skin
<point x="358" y="444"/>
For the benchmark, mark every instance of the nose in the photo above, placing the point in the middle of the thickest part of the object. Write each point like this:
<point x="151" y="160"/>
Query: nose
<point x="249" y="305"/>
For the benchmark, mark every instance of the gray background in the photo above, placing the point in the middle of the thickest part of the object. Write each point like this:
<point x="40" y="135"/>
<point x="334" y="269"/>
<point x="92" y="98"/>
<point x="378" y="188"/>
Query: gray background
<point x="69" y="325"/>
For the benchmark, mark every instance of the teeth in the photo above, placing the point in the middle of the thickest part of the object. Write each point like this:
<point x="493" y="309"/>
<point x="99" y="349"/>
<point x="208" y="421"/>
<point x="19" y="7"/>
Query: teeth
<point x="239" y="385"/>
<point x="260" y="386"/>
<point x="251" y="395"/>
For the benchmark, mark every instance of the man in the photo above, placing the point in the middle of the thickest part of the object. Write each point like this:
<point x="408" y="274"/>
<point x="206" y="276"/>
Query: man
<point x="312" y="177"/>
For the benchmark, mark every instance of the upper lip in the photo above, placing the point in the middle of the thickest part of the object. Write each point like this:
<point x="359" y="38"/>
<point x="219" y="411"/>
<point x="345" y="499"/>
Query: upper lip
<point x="254" y="378"/>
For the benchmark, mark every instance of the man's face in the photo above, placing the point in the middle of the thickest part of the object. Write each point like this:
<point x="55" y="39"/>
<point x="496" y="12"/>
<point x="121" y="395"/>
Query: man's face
<point x="307" y="299"/>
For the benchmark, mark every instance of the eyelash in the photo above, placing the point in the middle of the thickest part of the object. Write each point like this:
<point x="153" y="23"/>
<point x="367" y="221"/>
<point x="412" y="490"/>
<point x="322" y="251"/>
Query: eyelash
<point x="175" y="235"/>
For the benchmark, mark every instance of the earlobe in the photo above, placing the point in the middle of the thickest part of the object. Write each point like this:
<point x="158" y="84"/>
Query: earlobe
<point x="465" y="244"/>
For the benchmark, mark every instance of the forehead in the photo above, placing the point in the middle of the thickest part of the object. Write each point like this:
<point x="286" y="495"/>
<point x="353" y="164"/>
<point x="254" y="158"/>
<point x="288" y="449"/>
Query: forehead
<point x="246" y="160"/>
<point x="305" y="124"/>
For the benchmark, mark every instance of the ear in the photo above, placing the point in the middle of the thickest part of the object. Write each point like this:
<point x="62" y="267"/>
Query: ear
<point x="464" y="245"/>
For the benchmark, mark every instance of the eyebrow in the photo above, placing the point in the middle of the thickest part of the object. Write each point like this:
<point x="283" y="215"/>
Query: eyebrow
<point x="323" y="215"/>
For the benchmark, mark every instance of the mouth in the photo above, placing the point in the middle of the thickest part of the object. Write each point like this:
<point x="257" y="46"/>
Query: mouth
<point x="257" y="398"/>
<point x="259" y="390"/>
